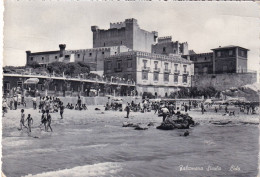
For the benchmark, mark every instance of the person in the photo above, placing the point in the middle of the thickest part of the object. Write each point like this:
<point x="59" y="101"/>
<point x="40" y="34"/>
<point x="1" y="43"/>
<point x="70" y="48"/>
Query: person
<point x="185" y="107"/>
<point x="22" y="120"/>
<point x="44" y="120"/>
<point x="202" y="108"/>
<point x="226" y="109"/>
<point x="4" y="107"/>
<point x="165" y="112"/>
<point x="178" y="111"/>
<point x="61" y="110"/>
<point x="48" y="120"/>
<point x="29" y="122"/>
<point x="127" y="110"/>
<point x="79" y="101"/>
<point x="11" y="103"/>
<point x="34" y="102"/>
<point x="216" y="109"/>
<point x="15" y="102"/>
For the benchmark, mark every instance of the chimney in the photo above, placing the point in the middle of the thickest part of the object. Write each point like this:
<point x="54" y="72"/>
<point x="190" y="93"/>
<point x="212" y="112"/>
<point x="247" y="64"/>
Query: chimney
<point x="62" y="49"/>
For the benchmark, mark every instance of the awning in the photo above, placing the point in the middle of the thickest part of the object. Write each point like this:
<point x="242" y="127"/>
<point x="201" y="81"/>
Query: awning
<point x="32" y="81"/>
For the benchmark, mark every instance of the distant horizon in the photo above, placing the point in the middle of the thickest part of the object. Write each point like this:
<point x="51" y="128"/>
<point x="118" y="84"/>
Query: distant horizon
<point x="41" y="26"/>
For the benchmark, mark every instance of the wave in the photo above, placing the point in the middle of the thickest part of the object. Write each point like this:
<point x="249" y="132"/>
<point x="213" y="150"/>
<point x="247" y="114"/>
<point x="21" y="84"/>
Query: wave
<point x="99" y="169"/>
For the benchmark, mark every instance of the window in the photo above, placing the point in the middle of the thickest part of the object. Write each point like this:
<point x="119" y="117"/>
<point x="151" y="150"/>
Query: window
<point x="78" y="55"/>
<point x="166" y="66"/>
<point x="129" y="77"/>
<point x="129" y="63"/>
<point x="242" y="53"/>
<point x="176" y="78"/>
<point x="196" y="70"/>
<point x="42" y="58"/>
<point x="155" y="76"/>
<point x="175" y="67"/>
<point x="56" y="57"/>
<point x="174" y="51"/>
<point x="115" y="53"/>
<point x="145" y="63"/>
<point x="184" y="78"/>
<point x="219" y="54"/>
<point x="90" y="54"/>
<point x="119" y="64"/>
<point x="225" y="68"/>
<point x="184" y="68"/>
<point x="19" y="84"/>
<point x="230" y="52"/>
<point x="104" y="44"/>
<point x="166" y="77"/>
<point x="145" y="75"/>
<point x="205" y="58"/>
<point x="164" y="49"/>
<point x="109" y="65"/>
<point x="103" y="53"/>
<point x="121" y="42"/>
<point x="31" y="58"/>
<point x="205" y="70"/>
<point x="156" y="65"/>
<point x="67" y="56"/>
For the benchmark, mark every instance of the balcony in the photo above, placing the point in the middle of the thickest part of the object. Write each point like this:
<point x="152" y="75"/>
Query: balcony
<point x="186" y="72"/>
<point x="176" y="71"/>
<point x="167" y="71"/>
<point x="118" y="69"/>
<point x="156" y="70"/>
<point x="146" y="68"/>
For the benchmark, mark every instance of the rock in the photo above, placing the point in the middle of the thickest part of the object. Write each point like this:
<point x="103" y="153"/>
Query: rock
<point x="140" y="128"/>
<point x="186" y="133"/>
<point x="165" y="126"/>
<point x="150" y="124"/>
<point x="128" y="124"/>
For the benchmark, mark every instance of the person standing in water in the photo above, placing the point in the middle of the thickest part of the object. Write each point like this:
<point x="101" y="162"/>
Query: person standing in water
<point x="29" y="122"/>
<point x="48" y="120"/>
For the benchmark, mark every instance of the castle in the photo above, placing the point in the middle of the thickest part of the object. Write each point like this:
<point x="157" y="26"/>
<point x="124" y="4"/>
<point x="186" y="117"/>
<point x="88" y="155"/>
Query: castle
<point x="156" y="64"/>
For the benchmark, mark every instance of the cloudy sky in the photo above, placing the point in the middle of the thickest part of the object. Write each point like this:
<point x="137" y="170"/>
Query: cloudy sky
<point x="42" y="25"/>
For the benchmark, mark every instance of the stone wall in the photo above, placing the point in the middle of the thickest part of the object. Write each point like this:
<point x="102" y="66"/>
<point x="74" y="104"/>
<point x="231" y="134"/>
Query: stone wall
<point x="224" y="81"/>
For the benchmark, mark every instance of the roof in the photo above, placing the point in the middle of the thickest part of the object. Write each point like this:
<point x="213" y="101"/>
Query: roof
<point x="46" y="52"/>
<point x="228" y="47"/>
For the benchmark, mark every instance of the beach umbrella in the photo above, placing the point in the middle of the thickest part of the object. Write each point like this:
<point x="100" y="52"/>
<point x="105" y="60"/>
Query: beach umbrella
<point x="32" y="81"/>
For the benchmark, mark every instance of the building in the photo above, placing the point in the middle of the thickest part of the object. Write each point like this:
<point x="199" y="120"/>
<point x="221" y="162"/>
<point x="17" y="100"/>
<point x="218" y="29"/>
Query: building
<point x="155" y="73"/>
<point x="126" y="33"/>
<point x="230" y="59"/>
<point x="93" y="57"/>
<point x="166" y="46"/>
<point x="203" y="62"/>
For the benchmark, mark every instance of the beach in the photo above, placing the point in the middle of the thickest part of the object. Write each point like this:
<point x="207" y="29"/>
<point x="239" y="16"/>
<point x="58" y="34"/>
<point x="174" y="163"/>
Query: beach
<point x="94" y="143"/>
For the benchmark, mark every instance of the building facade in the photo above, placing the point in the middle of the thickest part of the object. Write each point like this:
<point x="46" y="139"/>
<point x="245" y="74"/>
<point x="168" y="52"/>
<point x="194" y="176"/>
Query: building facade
<point x="230" y="59"/>
<point x="203" y="62"/>
<point x="93" y="57"/>
<point x="126" y="33"/>
<point x="166" y="46"/>
<point x="158" y="74"/>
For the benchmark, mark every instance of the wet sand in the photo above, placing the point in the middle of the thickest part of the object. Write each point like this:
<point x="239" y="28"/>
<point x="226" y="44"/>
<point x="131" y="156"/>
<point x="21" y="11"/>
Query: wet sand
<point x="94" y="143"/>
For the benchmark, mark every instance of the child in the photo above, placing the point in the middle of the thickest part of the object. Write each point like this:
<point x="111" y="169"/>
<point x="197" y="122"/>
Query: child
<point x="30" y="122"/>
<point x="48" y="120"/>
<point x="22" y="119"/>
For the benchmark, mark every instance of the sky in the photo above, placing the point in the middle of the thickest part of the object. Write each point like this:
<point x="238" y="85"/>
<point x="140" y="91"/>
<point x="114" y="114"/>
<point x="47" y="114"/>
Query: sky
<point x="41" y="25"/>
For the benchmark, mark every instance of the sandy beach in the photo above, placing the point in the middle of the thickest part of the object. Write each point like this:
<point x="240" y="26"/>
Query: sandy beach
<point x="94" y="143"/>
